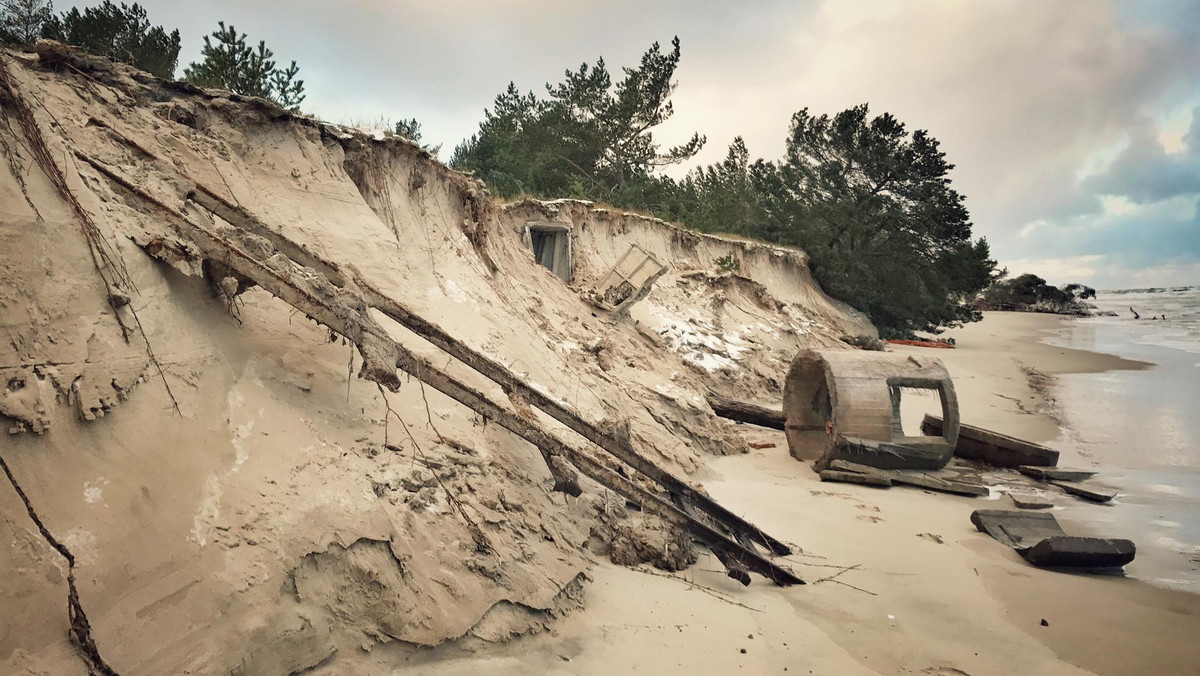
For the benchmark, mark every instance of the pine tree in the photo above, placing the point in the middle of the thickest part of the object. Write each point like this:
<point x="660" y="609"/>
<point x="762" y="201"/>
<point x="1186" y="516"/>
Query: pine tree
<point x="590" y="137"/>
<point x="21" y="20"/>
<point x="121" y="32"/>
<point x="229" y="63"/>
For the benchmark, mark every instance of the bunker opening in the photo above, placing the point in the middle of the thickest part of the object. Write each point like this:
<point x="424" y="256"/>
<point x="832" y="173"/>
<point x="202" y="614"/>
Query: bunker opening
<point x="551" y="246"/>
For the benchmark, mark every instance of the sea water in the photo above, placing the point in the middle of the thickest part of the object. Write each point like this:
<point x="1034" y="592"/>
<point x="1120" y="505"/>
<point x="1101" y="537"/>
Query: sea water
<point x="1140" y="428"/>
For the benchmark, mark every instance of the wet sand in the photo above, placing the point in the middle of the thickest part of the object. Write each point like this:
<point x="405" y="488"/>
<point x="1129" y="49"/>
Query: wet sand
<point x="899" y="580"/>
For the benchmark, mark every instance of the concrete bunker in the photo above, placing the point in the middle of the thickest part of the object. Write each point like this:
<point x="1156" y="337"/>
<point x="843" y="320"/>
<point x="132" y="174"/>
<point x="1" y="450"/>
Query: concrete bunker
<point x="845" y="405"/>
<point x="551" y="246"/>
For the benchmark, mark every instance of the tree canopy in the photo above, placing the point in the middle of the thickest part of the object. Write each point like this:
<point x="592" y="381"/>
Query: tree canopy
<point x="588" y="137"/>
<point x="873" y="207"/>
<point x="228" y="62"/>
<point x="122" y="32"/>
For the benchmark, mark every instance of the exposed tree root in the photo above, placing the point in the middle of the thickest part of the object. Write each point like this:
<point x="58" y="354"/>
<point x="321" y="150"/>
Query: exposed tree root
<point x="81" y="629"/>
<point x="111" y="268"/>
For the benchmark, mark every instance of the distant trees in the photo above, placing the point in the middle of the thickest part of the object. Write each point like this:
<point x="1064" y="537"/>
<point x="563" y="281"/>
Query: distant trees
<point x="1031" y="293"/>
<point x="229" y="63"/>
<point x="588" y="137"/>
<point x="122" y="32"/>
<point x="873" y="207"/>
<point x="21" y="20"/>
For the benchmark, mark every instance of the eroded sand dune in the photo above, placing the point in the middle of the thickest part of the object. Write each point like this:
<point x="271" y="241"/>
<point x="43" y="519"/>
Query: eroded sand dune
<point x="235" y="498"/>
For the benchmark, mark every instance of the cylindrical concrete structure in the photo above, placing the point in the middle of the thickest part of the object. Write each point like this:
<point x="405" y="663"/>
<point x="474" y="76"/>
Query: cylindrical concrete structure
<point x="855" y="394"/>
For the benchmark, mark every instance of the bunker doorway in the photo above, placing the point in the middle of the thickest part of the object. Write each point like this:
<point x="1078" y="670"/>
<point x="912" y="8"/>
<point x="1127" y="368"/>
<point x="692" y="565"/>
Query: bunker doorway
<point x="551" y="246"/>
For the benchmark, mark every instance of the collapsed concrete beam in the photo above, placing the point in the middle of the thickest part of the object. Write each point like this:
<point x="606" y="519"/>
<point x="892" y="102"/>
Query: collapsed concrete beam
<point x="1055" y="473"/>
<point x="1000" y="450"/>
<point x="1089" y="493"/>
<point x="745" y="412"/>
<point x="1038" y="538"/>
<point x="886" y="455"/>
<point x="1065" y="551"/>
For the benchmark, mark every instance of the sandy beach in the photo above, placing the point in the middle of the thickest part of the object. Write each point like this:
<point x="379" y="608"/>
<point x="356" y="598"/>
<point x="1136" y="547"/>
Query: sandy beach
<point x="900" y="582"/>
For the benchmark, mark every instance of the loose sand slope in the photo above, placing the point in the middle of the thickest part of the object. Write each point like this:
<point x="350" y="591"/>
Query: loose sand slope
<point x="250" y="519"/>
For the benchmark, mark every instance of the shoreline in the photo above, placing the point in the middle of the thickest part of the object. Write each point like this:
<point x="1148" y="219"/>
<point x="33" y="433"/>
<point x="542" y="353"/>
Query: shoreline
<point x="899" y="581"/>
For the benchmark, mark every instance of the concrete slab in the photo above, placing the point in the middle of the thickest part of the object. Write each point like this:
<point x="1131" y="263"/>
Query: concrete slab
<point x="1030" y="501"/>
<point x="855" y="478"/>
<point x="1019" y="530"/>
<point x="1055" y="473"/>
<point x="1090" y="493"/>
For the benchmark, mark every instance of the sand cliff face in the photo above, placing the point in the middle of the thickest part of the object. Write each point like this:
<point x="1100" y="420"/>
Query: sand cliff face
<point x="235" y="499"/>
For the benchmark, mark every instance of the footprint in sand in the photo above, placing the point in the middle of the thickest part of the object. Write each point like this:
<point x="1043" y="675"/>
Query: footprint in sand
<point x="872" y="519"/>
<point x="932" y="537"/>
<point x="868" y="508"/>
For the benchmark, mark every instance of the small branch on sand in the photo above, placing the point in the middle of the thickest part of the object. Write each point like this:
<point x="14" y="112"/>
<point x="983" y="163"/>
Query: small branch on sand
<point x="482" y="544"/>
<point x="846" y="569"/>
<point x="845" y="584"/>
<point x="707" y="590"/>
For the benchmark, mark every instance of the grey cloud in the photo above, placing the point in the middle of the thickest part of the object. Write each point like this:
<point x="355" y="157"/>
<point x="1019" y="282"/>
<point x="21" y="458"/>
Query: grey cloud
<point x="1145" y="172"/>
<point x="1021" y="93"/>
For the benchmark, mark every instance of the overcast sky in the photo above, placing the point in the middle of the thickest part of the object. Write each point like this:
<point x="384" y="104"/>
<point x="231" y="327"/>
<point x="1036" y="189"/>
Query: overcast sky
<point x="1074" y="125"/>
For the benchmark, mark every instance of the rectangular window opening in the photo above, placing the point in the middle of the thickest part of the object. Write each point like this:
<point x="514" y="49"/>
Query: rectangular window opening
<point x="551" y="246"/>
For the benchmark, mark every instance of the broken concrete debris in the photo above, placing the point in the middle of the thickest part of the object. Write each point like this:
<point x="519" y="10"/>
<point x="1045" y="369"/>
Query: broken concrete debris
<point x="1040" y="540"/>
<point x="1089" y="493"/>
<point x="630" y="280"/>
<point x="1065" y="551"/>
<point x="887" y="454"/>
<point x="1055" y="473"/>
<point x="933" y="483"/>
<point x="1030" y="501"/>
<point x="850" y="472"/>
<point x="993" y="448"/>
<point x="855" y="478"/>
